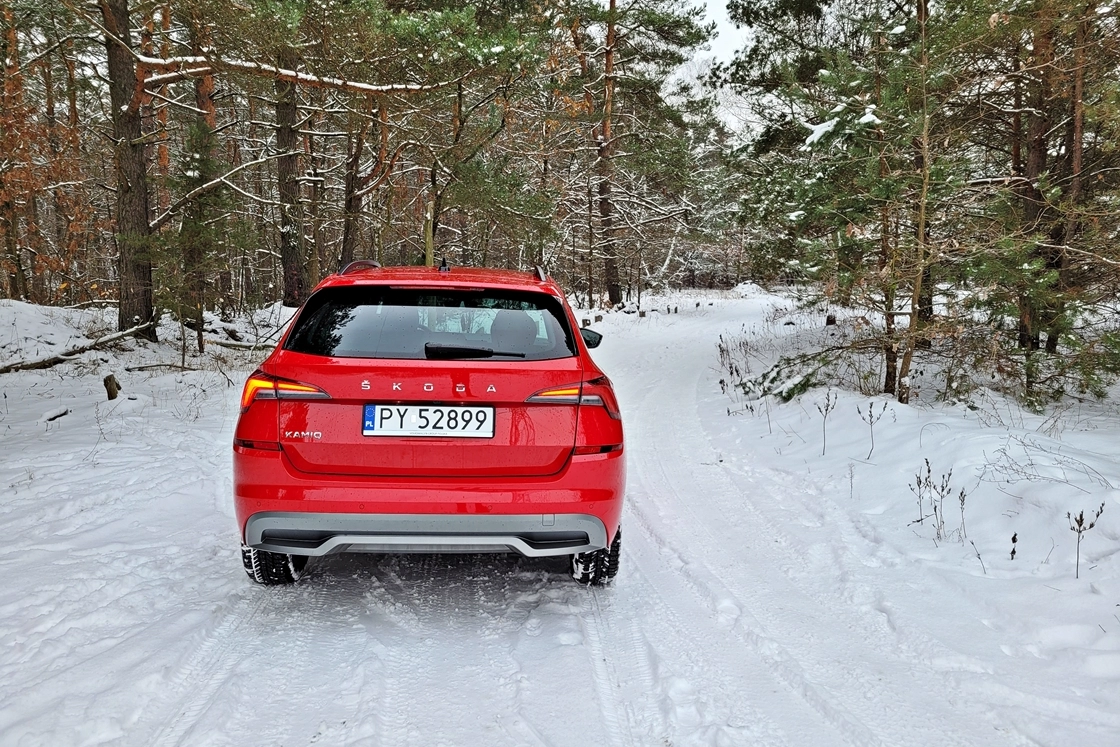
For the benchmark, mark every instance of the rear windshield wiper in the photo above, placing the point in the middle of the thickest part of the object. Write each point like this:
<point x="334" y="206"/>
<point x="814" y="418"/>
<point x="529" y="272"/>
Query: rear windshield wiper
<point x="435" y="350"/>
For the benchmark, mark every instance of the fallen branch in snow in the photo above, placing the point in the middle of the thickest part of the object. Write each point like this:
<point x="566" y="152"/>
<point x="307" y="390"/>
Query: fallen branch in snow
<point x="95" y="302"/>
<point x="54" y="415"/>
<point x="234" y="345"/>
<point x="150" y="366"/>
<point x="66" y="355"/>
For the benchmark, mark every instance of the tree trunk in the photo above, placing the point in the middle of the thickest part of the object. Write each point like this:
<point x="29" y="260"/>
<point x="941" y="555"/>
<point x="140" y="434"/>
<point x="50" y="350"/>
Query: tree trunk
<point x="16" y="285"/>
<point x="921" y="230"/>
<point x="1075" y="148"/>
<point x="37" y="290"/>
<point x="316" y="260"/>
<point x="196" y="233"/>
<point x="433" y="210"/>
<point x="849" y="258"/>
<point x="887" y="263"/>
<point x="355" y="184"/>
<point x="134" y="262"/>
<point x="606" y="175"/>
<point x="292" y="258"/>
<point x="352" y="199"/>
<point x="590" y="248"/>
<point x="10" y="147"/>
<point x="54" y="142"/>
<point x="163" y="151"/>
<point x="1032" y="199"/>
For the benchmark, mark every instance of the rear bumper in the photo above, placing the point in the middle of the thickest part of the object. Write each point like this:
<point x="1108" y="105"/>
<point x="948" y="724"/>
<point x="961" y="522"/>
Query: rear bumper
<point x="392" y="514"/>
<point x="533" y="535"/>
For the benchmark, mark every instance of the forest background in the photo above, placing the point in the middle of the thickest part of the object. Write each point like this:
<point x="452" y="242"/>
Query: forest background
<point x="941" y="179"/>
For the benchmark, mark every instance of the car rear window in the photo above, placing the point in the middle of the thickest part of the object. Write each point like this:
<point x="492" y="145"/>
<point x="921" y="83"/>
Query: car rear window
<point x="388" y="322"/>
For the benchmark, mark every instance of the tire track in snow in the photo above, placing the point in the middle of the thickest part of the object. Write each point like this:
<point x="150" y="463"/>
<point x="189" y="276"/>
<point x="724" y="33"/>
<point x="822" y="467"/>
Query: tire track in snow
<point x="710" y="590"/>
<point x="207" y="668"/>
<point x="406" y="674"/>
<point x="778" y="710"/>
<point x="302" y="611"/>
<point x="631" y="698"/>
<point x="407" y="654"/>
<point x="653" y="458"/>
<point x="718" y="591"/>
<point x="323" y="645"/>
<point x="455" y="609"/>
<point x="850" y="699"/>
<point x="608" y="684"/>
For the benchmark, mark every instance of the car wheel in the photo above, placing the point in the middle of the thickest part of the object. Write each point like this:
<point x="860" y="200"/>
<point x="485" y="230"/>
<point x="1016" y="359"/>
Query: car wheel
<point x="600" y="566"/>
<point x="272" y="568"/>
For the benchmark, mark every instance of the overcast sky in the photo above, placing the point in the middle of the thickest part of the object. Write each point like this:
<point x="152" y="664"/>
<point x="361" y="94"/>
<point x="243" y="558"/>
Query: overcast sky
<point x="729" y="38"/>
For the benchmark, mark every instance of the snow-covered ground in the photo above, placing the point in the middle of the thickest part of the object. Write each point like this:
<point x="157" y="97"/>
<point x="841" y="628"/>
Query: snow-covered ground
<point x="775" y="588"/>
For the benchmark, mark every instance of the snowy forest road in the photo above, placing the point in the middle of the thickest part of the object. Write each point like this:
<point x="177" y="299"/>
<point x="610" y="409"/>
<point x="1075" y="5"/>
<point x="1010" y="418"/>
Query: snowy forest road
<point x="749" y="609"/>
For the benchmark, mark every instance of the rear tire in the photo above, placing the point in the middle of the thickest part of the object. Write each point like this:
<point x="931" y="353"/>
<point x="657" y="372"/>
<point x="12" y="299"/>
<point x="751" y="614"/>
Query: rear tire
<point x="598" y="567"/>
<point x="272" y="568"/>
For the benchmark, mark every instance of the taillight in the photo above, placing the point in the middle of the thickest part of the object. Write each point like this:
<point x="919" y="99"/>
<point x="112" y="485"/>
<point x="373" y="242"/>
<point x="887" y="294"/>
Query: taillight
<point x="599" y="424"/>
<point x="565" y="395"/>
<point x="263" y="386"/>
<point x="596" y="392"/>
<point x="599" y="392"/>
<point x="258" y="385"/>
<point x="296" y="390"/>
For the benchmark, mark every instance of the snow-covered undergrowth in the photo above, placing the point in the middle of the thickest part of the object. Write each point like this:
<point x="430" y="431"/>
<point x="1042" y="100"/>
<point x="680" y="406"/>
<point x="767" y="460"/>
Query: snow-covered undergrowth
<point x="777" y="586"/>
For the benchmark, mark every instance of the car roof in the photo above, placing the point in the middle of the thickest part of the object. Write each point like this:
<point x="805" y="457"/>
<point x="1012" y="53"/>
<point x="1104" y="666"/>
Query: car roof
<point x="455" y="277"/>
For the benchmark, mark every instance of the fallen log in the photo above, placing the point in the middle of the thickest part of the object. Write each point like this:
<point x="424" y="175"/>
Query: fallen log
<point x="258" y="345"/>
<point x="233" y="345"/>
<point x="66" y="355"/>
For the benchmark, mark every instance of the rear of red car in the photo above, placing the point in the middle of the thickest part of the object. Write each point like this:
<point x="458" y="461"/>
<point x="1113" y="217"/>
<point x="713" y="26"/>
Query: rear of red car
<point x="413" y="410"/>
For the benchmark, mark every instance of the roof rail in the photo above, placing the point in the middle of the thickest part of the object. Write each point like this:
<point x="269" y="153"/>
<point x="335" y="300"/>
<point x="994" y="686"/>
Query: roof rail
<point x="541" y="274"/>
<point x="359" y="265"/>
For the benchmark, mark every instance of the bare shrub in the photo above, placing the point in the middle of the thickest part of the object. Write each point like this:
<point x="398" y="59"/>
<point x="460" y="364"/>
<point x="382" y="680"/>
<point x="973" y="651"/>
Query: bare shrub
<point x="1080" y="526"/>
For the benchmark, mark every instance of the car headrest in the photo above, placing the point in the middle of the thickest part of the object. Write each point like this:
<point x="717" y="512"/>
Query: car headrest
<point x="513" y="331"/>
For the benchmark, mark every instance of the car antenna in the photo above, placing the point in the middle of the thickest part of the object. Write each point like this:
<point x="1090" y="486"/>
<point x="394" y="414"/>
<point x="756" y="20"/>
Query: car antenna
<point x="443" y="265"/>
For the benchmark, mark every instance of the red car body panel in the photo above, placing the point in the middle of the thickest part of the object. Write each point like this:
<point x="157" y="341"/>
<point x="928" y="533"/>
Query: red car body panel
<point x="308" y="456"/>
<point x="267" y="481"/>
<point x="543" y="434"/>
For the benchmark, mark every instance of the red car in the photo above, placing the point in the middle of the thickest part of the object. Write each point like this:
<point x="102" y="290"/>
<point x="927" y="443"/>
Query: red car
<point x="415" y="409"/>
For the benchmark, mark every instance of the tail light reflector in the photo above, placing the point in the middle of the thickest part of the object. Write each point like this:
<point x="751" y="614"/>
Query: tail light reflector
<point x="258" y="445"/>
<point x="606" y="449"/>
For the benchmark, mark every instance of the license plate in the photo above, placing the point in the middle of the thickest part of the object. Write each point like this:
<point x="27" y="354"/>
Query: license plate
<point x="428" y="420"/>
